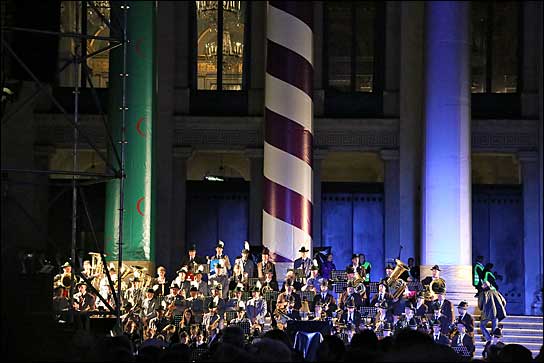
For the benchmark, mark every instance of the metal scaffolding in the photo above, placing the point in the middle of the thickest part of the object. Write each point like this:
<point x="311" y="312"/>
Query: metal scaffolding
<point x="117" y="38"/>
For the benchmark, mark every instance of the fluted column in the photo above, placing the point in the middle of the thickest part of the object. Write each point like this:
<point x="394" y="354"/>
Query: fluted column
<point x="446" y="188"/>
<point x="391" y="205"/>
<point x="287" y="210"/>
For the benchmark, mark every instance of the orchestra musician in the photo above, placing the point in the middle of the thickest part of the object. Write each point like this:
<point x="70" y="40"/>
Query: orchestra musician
<point x="220" y="279"/>
<point x="182" y="281"/>
<point x="212" y="321"/>
<point x="284" y="297"/>
<point x="421" y="308"/>
<point x="201" y="285"/>
<point x="444" y="306"/>
<point x="325" y="299"/>
<point x="381" y="295"/>
<point x="195" y="303"/>
<point x="466" y="318"/>
<point x="174" y="301"/>
<point x="290" y="276"/>
<point x="269" y="284"/>
<point x="266" y="265"/>
<point x="463" y="339"/>
<point x="219" y="302"/>
<point x="236" y="302"/>
<point x="352" y="318"/>
<point x="160" y="321"/>
<point x="192" y="259"/>
<point x="160" y="283"/>
<point x="349" y="295"/>
<point x="83" y="301"/>
<point x="224" y="259"/>
<point x="437" y="335"/>
<point x="303" y="262"/>
<point x="134" y="293"/>
<point x="248" y="266"/>
<point x="314" y="281"/>
<point x="319" y="313"/>
<point x="383" y="317"/>
<point x="256" y="307"/>
<point x="240" y="317"/>
<point x="149" y="306"/>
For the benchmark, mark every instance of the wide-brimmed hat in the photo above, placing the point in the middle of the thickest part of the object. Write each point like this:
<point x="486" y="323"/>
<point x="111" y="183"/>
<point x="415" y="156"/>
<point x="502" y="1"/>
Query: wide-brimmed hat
<point x="220" y="244"/>
<point x="354" y="255"/>
<point x="174" y="286"/>
<point x="239" y="287"/>
<point x="81" y="283"/>
<point x="66" y="264"/>
<point x="193" y="288"/>
<point x="150" y="290"/>
<point x="350" y="270"/>
<point x="314" y="268"/>
<point x="303" y="249"/>
<point x="420" y="295"/>
<point x="192" y="247"/>
<point x="389" y="267"/>
<point x="436" y="267"/>
<point x="324" y="282"/>
<point x="212" y="305"/>
<point x="256" y="288"/>
<point x="265" y="251"/>
<point x="183" y="269"/>
<point x="459" y="321"/>
<point x="463" y="305"/>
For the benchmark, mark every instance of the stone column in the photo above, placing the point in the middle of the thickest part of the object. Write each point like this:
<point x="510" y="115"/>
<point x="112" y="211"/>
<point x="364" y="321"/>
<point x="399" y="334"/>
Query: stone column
<point x="255" y="95"/>
<point x="287" y="209"/>
<point x="391" y="205"/>
<point x="532" y="244"/>
<point x="446" y="199"/>
<point x="411" y="98"/>
<point x="319" y="155"/>
<point x="255" y="196"/>
<point x="178" y="207"/>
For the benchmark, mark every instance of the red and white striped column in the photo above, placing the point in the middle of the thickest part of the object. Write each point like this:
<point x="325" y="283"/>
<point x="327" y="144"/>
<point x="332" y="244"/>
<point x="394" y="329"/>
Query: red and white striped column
<point x="287" y="211"/>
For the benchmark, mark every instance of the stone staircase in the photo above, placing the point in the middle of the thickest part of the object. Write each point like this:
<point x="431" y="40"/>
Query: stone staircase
<point x="518" y="329"/>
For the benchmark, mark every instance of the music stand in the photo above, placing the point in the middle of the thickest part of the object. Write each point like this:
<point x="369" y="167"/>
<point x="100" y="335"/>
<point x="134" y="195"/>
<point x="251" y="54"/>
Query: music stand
<point x="415" y="286"/>
<point x="373" y="287"/>
<point x="206" y="268"/>
<point x="309" y="295"/>
<point x="245" y="326"/>
<point x="230" y="314"/>
<point x="339" y="275"/>
<point x="196" y="353"/>
<point x="252" y="281"/>
<point x="368" y="311"/>
<point x="462" y="351"/>
<point x="340" y="286"/>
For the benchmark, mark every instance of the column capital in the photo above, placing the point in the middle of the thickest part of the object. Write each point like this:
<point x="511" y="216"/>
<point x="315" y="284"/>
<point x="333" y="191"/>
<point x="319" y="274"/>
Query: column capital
<point x="389" y="154"/>
<point x="527" y="156"/>
<point x="320" y="154"/>
<point x="182" y="152"/>
<point x="254" y="153"/>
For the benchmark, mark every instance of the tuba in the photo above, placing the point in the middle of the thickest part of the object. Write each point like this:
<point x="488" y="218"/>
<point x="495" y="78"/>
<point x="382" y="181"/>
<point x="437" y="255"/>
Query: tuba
<point x="435" y="287"/>
<point x="394" y="283"/>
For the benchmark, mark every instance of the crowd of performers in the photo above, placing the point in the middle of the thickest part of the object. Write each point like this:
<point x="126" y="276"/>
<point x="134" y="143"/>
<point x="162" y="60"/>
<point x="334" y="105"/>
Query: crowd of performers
<point x="210" y="293"/>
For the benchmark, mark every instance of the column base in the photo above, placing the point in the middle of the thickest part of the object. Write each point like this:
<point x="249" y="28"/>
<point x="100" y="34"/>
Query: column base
<point x="458" y="285"/>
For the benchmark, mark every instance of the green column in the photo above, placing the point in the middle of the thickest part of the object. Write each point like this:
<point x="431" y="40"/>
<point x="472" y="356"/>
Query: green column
<point x="138" y="237"/>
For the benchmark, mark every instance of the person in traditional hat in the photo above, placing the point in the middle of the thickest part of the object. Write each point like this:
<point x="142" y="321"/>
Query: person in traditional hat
<point x="381" y="295"/>
<point x="467" y="319"/>
<point x="314" y="281"/>
<point x="351" y="317"/>
<point x="216" y="291"/>
<point x="240" y="317"/>
<point x="201" y="285"/>
<point x="437" y="335"/>
<point x="247" y="264"/>
<point x="256" y="307"/>
<point x="435" y="275"/>
<point x="463" y="339"/>
<point x="182" y="281"/>
<point x="493" y="347"/>
<point x="192" y="258"/>
<point x="219" y="255"/>
<point x="195" y="303"/>
<point x="149" y="306"/>
<point x="383" y="317"/>
<point x="236" y="301"/>
<point x="290" y="276"/>
<point x="220" y="278"/>
<point x="443" y="305"/>
<point x="160" y="321"/>
<point x="421" y="309"/>
<point x="266" y="265"/>
<point x="83" y="301"/>
<point x="212" y="321"/>
<point x="303" y="262"/>
<point x="174" y="301"/>
<point x="64" y="278"/>
<point x="325" y="298"/>
<point x="284" y="297"/>
<point x="350" y="295"/>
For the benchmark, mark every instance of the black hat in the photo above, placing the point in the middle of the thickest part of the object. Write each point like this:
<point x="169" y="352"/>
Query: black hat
<point x="174" y="286"/>
<point x="266" y="251"/>
<point x="459" y="321"/>
<point x="463" y="305"/>
<point x="389" y="267"/>
<point x="81" y="283"/>
<point x="256" y="289"/>
<point x="212" y="305"/>
<point x="239" y="287"/>
<point x="151" y="290"/>
<point x="66" y="264"/>
<point x="350" y="283"/>
<point x="420" y="295"/>
<point x="440" y="290"/>
<point x="382" y="305"/>
<point x="136" y="279"/>
<point x="436" y="267"/>
<point x="324" y="282"/>
<point x="193" y="288"/>
<point x="314" y="268"/>
<point x="350" y="270"/>
<point x="354" y="256"/>
<point x="351" y="304"/>
<point x="497" y="333"/>
<point x="241" y="308"/>
<point x="220" y="244"/>
<point x="383" y="282"/>
<point x="192" y="248"/>
<point x="303" y="249"/>
<point x="183" y="269"/>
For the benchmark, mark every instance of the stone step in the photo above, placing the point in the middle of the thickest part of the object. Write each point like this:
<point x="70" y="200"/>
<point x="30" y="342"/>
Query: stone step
<point x="515" y="331"/>
<point x="517" y="338"/>
<point x="528" y="345"/>
<point x="478" y="352"/>
<point x="519" y="319"/>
